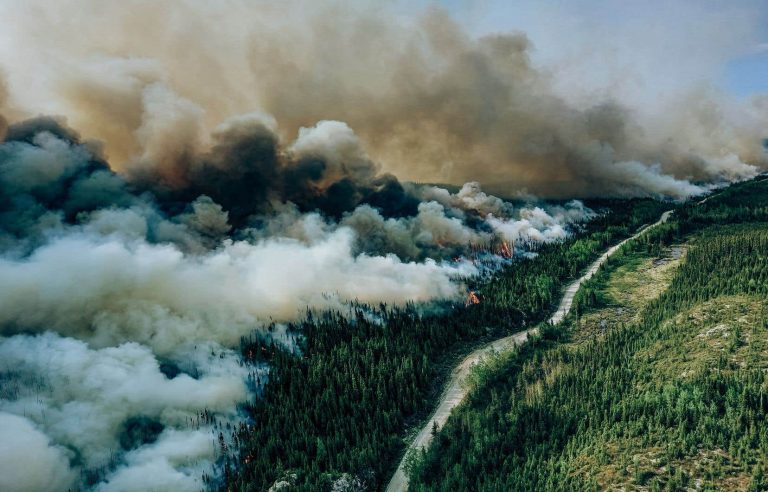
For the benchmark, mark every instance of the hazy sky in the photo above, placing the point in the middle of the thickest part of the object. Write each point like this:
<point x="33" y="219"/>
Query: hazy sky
<point x="662" y="44"/>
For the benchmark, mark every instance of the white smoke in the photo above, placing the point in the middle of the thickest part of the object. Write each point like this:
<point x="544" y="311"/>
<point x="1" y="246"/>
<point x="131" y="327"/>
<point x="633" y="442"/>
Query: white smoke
<point x="632" y="176"/>
<point x="108" y="290"/>
<point x="124" y="287"/>
<point x="104" y="284"/>
<point x="29" y="462"/>
<point x="469" y="197"/>
<point x="171" y="464"/>
<point x="336" y="143"/>
<point x="82" y="397"/>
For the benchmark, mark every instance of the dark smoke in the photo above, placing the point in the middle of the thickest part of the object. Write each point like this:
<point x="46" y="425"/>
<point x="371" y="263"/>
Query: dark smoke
<point x="48" y="175"/>
<point x="431" y="102"/>
<point x="131" y="265"/>
<point x="247" y="171"/>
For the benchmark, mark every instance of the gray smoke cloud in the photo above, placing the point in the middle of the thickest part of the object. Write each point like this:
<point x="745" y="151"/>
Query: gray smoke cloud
<point x="470" y="197"/>
<point x="173" y="463"/>
<point x="228" y="174"/>
<point x="430" y="101"/>
<point x="105" y="283"/>
<point x="431" y="232"/>
<point x="118" y="283"/>
<point x="445" y="225"/>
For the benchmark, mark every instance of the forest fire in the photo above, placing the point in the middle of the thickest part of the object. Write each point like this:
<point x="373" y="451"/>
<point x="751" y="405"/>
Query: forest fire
<point x="291" y="233"/>
<point x="502" y="248"/>
<point x="472" y="299"/>
<point x="506" y="249"/>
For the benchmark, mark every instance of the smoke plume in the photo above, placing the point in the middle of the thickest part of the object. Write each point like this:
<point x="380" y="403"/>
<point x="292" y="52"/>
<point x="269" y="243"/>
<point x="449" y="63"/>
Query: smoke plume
<point x="28" y="460"/>
<point x="123" y="296"/>
<point x="431" y="102"/>
<point x="163" y="195"/>
<point x="113" y="404"/>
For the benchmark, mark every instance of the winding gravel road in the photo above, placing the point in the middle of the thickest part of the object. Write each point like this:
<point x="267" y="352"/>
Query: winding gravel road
<point x="456" y="390"/>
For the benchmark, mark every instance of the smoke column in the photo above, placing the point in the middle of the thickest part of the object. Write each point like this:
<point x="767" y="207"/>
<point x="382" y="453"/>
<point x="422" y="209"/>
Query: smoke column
<point x="431" y="102"/>
<point x="164" y="194"/>
<point x="125" y="295"/>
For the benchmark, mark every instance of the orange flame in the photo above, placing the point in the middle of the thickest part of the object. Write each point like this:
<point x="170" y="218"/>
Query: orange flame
<point x="506" y="250"/>
<point x="472" y="299"/>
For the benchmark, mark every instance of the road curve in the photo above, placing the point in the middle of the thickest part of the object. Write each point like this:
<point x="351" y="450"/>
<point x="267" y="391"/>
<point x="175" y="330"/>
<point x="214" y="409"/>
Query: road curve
<point x="456" y="390"/>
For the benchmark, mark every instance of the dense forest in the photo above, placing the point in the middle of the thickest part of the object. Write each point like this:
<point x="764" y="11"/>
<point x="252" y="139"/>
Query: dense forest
<point x="673" y="398"/>
<point x="335" y="408"/>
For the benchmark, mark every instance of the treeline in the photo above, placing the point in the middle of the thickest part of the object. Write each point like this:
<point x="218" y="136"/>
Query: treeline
<point x="525" y="292"/>
<point x="555" y="418"/>
<point x="744" y="202"/>
<point x="340" y="402"/>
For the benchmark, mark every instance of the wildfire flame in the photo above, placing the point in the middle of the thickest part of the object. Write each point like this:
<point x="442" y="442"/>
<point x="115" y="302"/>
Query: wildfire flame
<point x="472" y="299"/>
<point x="506" y="250"/>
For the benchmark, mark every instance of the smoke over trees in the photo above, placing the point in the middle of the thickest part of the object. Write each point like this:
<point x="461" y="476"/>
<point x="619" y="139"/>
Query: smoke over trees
<point x="164" y="195"/>
<point x="108" y="278"/>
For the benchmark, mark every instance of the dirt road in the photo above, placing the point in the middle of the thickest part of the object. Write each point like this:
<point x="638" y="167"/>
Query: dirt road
<point x="456" y="390"/>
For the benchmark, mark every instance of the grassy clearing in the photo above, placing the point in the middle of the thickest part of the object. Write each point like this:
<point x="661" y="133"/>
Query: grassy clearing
<point x="623" y="290"/>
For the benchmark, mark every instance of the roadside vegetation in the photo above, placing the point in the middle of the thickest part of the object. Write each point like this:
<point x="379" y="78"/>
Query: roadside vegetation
<point x="657" y="381"/>
<point x="337" y="407"/>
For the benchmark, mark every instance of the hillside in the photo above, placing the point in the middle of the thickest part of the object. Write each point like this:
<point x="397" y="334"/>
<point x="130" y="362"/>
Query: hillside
<point x="657" y="383"/>
<point x="367" y="246"/>
<point x="342" y="411"/>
